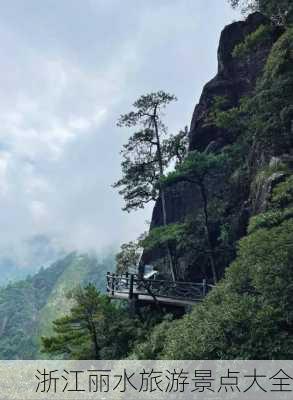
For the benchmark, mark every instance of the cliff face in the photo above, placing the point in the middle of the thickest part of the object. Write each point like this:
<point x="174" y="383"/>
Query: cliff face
<point x="235" y="79"/>
<point x="248" y="315"/>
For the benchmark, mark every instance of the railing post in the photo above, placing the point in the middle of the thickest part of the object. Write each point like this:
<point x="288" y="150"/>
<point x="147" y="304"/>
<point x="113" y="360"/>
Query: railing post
<point x="127" y="279"/>
<point x="112" y="284"/>
<point x="108" y="281"/>
<point x="204" y="287"/>
<point x="131" y="286"/>
<point x="133" y="297"/>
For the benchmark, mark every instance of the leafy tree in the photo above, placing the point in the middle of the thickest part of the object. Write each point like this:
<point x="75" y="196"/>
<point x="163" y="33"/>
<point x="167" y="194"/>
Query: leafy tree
<point x="248" y="315"/>
<point x="251" y="311"/>
<point x="271" y="125"/>
<point x="261" y="37"/>
<point x="262" y="123"/>
<point x="170" y="235"/>
<point x="281" y="11"/>
<point x="147" y="154"/>
<point x="128" y="257"/>
<point x="144" y="158"/>
<point x="176" y="146"/>
<point x="153" y="348"/>
<point x="264" y="120"/>
<point x="245" y="5"/>
<point x="94" y="329"/>
<point x="198" y="168"/>
<point x="188" y="242"/>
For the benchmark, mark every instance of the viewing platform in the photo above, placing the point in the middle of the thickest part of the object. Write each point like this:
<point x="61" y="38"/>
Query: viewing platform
<point x="165" y="292"/>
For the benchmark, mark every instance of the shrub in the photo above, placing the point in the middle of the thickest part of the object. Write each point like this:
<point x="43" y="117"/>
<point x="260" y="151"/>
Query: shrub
<point x="259" y="37"/>
<point x="249" y="315"/>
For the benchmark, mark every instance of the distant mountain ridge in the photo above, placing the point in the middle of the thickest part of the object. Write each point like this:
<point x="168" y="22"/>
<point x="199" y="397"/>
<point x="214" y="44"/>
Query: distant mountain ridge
<point x="9" y="272"/>
<point x="28" y="307"/>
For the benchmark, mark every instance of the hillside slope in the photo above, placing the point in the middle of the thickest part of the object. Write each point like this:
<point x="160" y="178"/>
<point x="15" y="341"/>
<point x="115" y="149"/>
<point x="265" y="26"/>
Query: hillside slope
<point x="28" y="307"/>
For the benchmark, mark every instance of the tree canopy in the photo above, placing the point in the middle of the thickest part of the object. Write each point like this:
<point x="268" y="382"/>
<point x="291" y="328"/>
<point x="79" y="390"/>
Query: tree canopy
<point x="94" y="329"/>
<point x="198" y="168"/>
<point x="147" y="154"/>
<point x="148" y="151"/>
<point x="128" y="257"/>
<point x="281" y="11"/>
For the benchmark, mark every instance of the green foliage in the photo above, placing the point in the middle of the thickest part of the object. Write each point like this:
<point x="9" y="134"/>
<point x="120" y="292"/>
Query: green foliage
<point x="20" y="305"/>
<point x="201" y="168"/>
<point x="152" y="349"/>
<point x="188" y="241"/>
<point x="245" y="5"/>
<point x="172" y="236"/>
<point x="280" y="11"/>
<point x="280" y="58"/>
<point x="283" y="193"/>
<point x="276" y="166"/>
<point x="264" y="120"/>
<point x="146" y="154"/>
<point x="224" y="116"/>
<point x="255" y="39"/>
<point x="176" y="146"/>
<point x="140" y="170"/>
<point x="220" y="103"/>
<point x="161" y="235"/>
<point x="269" y="219"/>
<point x="94" y="329"/>
<point x="128" y="257"/>
<point x="249" y="314"/>
<point x="27" y="308"/>
<point x="235" y="121"/>
<point x="226" y="119"/>
<point x="144" y="108"/>
<point x="196" y="167"/>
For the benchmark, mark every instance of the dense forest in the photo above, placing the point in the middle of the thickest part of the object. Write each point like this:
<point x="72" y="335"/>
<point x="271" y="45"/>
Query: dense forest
<point x="28" y="307"/>
<point x="223" y="211"/>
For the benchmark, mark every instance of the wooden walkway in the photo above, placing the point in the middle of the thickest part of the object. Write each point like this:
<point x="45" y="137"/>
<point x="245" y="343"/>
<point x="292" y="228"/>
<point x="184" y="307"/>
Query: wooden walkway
<point x="130" y="286"/>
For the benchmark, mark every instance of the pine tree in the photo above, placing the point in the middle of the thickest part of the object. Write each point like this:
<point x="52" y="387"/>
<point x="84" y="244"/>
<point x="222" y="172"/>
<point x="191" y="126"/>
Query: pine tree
<point x="147" y="154"/>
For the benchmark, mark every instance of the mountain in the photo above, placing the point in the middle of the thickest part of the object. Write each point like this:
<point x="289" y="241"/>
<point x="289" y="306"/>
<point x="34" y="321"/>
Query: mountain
<point x="236" y="196"/>
<point x="244" y="117"/>
<point x="28" y="307"/>
<point x="238" y="216"/>
<point x="27" y="258"/>
<point x="9" y="272"/>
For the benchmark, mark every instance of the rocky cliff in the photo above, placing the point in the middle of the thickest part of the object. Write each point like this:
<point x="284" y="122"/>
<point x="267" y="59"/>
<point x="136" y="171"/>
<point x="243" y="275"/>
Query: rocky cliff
<point x="236" y="79"/>
<point x="245" y="114"/>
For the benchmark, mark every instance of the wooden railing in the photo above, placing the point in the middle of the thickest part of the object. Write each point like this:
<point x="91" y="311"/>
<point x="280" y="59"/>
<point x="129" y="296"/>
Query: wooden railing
<point x="133" y="285"/>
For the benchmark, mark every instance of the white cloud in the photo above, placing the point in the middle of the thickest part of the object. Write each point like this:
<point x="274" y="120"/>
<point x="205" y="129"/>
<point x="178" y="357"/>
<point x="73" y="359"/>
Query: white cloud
<point x="4" y="160"/>
<point x="68" y="69"/>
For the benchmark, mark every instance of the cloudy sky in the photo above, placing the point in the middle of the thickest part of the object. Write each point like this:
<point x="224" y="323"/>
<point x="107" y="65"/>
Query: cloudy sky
<point x="69" y="68"/>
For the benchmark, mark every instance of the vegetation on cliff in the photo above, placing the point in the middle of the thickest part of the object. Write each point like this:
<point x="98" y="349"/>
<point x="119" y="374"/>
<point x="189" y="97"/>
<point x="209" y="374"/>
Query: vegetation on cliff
<point x="148" y="154"/>
<point x="94" y="329"/>
<point x="249" y="314"/>
<point x="281" y="11"/>
<point x="241" y="175"/>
